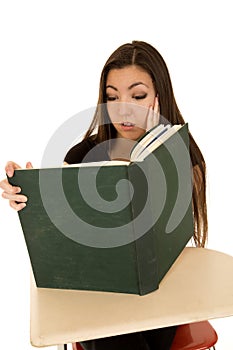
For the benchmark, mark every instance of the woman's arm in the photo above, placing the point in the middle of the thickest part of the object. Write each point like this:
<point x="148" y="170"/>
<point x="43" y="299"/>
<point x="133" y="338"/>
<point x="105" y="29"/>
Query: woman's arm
<point x="16" y="200"/>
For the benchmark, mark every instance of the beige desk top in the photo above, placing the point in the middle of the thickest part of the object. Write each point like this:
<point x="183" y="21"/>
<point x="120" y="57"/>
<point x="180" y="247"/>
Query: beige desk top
<point x="199" y="286"/>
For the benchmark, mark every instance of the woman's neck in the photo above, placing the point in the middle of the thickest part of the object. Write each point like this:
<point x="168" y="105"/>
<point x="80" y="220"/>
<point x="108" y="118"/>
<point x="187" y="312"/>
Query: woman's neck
<point x="120" y="149"/>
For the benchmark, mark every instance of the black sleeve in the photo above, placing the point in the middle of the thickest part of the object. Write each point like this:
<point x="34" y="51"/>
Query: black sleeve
<point x="86" y="151"/>
<point x="76" y="154"/>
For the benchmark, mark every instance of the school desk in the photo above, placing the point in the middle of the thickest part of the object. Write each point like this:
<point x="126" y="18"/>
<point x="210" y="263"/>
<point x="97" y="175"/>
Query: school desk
<point x="199" y="286"/>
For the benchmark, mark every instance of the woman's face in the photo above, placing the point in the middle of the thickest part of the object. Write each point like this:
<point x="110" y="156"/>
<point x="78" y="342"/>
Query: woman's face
<point x="130" y="94"/>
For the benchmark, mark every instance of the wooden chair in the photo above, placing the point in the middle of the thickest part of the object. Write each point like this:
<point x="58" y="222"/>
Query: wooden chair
<point x="191" y="336"/>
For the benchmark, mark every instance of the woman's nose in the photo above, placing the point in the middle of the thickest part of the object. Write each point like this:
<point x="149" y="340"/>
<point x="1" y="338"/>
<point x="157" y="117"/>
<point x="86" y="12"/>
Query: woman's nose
<point x="124" y="108"/>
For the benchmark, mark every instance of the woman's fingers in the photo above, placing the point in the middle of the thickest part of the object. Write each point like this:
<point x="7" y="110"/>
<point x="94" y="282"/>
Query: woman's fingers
<point x="17" y="206"/>
<point x="16" y="200"/>
<point x="153" y="115"/>
<point x="14" y="197"/>
<point x="29" y="165"/>
<point x="11" y="167"/>
<point x="8" y="188"/>
<point x="156" y="106"/>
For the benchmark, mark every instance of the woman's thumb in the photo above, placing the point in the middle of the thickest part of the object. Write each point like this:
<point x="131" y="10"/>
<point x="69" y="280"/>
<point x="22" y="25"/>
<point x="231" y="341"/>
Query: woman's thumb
<point x="29" y="165"/>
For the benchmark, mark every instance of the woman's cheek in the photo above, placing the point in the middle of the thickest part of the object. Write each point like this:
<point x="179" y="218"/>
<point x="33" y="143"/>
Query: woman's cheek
<point x="140" y="116"/>
<point x="112" y="112"/>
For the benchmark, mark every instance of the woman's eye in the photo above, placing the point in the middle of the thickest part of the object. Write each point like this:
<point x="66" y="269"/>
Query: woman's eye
<point x="111" y="98"/>
<point x="140" y="97"/>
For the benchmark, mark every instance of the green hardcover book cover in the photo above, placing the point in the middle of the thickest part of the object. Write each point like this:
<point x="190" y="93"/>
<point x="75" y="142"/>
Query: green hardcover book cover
<point x="112" y="227"/>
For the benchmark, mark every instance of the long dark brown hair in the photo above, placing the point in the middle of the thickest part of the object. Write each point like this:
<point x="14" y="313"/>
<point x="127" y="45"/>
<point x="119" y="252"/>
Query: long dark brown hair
<point x="144" y="55"/>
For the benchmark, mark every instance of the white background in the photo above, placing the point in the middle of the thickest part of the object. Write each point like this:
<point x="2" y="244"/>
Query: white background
<point x="51" y="55"/>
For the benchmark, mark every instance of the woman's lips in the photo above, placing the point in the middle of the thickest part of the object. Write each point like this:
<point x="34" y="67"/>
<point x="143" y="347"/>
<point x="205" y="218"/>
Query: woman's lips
<point x="127" y="125"/>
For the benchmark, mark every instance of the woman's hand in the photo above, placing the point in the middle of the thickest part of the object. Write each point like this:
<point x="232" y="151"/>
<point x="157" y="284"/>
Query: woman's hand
<point x="153" y="115"/>
<point x="16" y="200"/>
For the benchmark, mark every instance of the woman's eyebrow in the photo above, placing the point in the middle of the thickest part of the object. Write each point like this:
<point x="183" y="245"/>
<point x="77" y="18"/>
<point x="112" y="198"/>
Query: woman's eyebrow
<point x="130" y="87"/>
<point x="137" y="83"/>
<point x="112" y="87"/>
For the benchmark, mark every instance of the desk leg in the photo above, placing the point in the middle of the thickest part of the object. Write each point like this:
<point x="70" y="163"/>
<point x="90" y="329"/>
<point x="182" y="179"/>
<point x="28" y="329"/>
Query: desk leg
<point x="62" y="347"/>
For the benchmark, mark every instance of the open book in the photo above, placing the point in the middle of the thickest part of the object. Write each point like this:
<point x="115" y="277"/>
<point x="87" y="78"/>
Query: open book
<point x="152" y="140"/>
<point x="147" y="144"/>
<point x="116" y="228"/>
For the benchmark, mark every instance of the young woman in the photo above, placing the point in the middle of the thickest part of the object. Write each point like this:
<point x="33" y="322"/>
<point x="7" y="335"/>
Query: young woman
<point x="135" y="93"/>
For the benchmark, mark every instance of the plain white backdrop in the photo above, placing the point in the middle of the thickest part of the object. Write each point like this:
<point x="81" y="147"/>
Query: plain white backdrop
<point x="52" y="53"/>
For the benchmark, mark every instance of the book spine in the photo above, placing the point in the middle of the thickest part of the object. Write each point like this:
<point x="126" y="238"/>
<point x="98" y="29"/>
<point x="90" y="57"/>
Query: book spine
<point x="145" y="237"/>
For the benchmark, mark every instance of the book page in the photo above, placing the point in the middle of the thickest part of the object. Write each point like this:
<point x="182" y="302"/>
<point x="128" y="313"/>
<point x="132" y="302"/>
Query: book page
<point x="149" y="147"/>
<point x="98" y="164"/>
<point x="83" y="165"/>
<point x="147" y="139"/>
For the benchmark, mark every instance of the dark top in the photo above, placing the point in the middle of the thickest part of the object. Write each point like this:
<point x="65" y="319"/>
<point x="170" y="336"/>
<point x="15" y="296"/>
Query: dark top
<point x="87" y="151"/>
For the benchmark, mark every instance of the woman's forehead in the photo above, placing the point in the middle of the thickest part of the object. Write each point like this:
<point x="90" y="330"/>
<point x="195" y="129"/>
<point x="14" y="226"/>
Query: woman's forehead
<point x="128" y="76"/>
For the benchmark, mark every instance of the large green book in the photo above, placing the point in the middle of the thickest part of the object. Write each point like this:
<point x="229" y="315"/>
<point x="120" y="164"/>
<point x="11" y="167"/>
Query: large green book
<point x="112" y="226"/>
